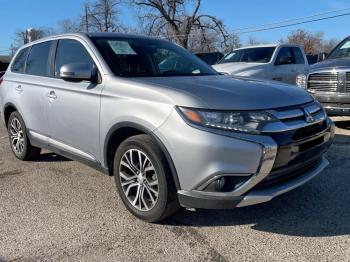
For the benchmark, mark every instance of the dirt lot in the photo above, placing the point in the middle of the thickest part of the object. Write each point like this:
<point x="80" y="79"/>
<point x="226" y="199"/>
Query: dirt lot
<point x="56" y="209"/>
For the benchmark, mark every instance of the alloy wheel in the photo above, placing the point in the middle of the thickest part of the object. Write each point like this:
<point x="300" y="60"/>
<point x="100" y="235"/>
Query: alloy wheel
<point x="139" y="179"/>
<point x="17" y="136"/>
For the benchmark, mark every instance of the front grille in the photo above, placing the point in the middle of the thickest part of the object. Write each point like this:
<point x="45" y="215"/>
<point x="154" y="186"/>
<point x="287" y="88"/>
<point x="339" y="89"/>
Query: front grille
<point x="324" y="82"/>
<point x="348" y="82"/>
<point x="301" y="143"/>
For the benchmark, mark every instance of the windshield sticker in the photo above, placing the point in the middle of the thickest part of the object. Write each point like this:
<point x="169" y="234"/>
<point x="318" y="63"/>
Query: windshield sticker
<point x="346" y="45"/>
<point x="121" y="48"/>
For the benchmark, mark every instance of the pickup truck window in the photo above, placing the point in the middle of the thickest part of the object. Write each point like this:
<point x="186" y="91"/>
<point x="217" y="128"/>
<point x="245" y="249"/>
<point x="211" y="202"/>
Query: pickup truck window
<point x="298" y="56"/>
<point x="342" y="50"/>
<point x="250" y="55"/>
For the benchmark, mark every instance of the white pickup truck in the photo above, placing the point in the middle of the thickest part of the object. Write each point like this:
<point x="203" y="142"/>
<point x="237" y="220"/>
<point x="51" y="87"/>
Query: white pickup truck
<point x="279" y="62"/>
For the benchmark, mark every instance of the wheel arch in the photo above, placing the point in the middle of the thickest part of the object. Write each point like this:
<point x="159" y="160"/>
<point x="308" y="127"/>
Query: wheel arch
<point x="9" y="108"/>
<point x="121" y="131"/>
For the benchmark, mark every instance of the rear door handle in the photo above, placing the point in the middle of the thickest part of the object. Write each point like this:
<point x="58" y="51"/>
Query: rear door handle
<point x="19" y="89"/>
<point x="52" y="95"/>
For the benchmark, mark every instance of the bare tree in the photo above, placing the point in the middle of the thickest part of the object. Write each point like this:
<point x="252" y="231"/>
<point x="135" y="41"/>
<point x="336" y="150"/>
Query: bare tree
<point x="102" y="16"/>
<point x="70" y="26"/>
<point x="253" y="41"/>
<point x="24" y="36"/>
<point x="312" y="42"/>
<point x="328" y="45"/>
<point x="171" y="19"/>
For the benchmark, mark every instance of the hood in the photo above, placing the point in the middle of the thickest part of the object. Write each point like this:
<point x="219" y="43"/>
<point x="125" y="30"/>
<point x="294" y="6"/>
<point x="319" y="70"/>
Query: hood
<point x="227" y="93"/>
<point x="332" y="63"/>
<point x="234" y="68"/>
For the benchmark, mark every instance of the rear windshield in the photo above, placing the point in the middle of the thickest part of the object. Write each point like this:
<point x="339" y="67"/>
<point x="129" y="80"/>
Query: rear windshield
<point x="249" y="55"/>
<point x="133" y="57"/>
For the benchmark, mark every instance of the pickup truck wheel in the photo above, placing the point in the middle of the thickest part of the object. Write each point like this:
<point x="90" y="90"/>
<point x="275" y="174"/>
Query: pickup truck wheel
<point x="143" y="179"/>
<point x="19" y="141"/>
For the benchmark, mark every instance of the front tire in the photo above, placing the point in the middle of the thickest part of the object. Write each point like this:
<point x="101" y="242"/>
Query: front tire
<point x="144" y="180"/>
<point x="19" y="141"/>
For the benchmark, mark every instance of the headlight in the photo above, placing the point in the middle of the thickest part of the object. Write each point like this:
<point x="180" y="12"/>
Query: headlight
<point x="301" y="81"/>
<point x="240" y="121"/>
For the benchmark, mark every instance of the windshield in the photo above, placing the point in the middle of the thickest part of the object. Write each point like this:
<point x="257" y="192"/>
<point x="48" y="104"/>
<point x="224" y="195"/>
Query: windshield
<point x="249" y="55"/>
<point x="132" y="57"/>
<point x="342" y="50"/>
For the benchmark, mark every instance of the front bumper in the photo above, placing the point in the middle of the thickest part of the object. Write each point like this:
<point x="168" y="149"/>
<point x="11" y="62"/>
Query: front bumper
<point x="225" y="201"/>
<point x="269" y="164"/>
<point x="334" y="103"/>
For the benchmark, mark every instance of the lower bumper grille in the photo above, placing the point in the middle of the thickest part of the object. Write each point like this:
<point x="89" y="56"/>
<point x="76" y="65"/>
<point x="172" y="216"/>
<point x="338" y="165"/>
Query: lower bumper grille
<point x="298" y="151"/>
<point x="284" y="174"/>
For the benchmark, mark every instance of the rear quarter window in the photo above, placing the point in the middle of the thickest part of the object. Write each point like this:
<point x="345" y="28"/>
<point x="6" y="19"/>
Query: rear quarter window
<point x="20" y="60"/>
<point x="38" y="60"/>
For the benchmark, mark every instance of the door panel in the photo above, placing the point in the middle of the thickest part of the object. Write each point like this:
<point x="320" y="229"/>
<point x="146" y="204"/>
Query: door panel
<point x="74" y="115"/>
<point x="74" y="106"/>
<point x="30" y="86"/>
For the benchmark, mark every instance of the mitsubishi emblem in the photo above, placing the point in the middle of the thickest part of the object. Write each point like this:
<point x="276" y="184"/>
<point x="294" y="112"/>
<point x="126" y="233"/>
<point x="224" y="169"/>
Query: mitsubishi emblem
<point x="308" y="116"/>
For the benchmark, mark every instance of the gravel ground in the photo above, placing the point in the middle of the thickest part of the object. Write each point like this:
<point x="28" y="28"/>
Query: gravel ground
<point x="59" y="210"/>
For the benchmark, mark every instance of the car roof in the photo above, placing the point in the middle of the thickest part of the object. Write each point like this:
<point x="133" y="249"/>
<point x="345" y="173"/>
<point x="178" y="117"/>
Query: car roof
<point x="90" y="35"/>
<point x="268" y="45"/>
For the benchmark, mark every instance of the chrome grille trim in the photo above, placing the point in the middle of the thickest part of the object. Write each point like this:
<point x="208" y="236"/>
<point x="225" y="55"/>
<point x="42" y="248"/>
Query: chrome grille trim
<point x="323" y="81"/>
<point x="294" y="118"/>
<point x="348" y="82"/>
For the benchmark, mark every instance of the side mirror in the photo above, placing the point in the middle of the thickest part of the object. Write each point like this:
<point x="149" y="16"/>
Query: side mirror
<point x="76" y="72"/>
<point x="322" y="56"/>
<point x="285" y="60"/>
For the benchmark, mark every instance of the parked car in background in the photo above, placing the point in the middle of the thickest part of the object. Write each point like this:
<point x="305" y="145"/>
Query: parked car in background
<point x="211" y="58"/>
<point x="272" y="62"/>
<point x="189" y="137"/>
<point x="329" y="80"/>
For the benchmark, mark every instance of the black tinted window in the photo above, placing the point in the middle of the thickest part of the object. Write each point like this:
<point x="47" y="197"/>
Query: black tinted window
<point x="285" y="56"/>
<point x="69" y="52"/>
<point x="20" y="60"/>
<point x="132" y="57"/>
<point x="298" y="56"/>
<point x="38" y="59"/>
<point x="249" y="55"/>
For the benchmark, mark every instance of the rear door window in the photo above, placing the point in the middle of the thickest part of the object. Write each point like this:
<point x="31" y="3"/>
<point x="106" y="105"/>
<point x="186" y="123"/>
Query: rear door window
<point x="20" y="60"/>
<point x="38" y="60"/>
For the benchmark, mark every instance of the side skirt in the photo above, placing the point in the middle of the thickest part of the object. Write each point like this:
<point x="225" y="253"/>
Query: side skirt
<point x="42" y="141"/>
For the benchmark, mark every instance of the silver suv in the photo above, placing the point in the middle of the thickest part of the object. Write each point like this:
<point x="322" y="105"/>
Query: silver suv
<point x="171" y="130"/>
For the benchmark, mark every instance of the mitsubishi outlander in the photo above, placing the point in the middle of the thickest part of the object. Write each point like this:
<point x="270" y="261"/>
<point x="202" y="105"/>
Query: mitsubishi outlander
<point x="172" y="134"/>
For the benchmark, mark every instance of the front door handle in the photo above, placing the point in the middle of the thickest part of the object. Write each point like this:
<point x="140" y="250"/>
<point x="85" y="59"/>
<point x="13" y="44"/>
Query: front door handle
<point x="19" y="89"/>
<point x="52" y="95"/>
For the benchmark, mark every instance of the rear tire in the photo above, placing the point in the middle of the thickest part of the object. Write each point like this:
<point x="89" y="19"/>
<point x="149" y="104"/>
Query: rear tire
<point x="143" y="179"/>
<point x="19" y="142"/>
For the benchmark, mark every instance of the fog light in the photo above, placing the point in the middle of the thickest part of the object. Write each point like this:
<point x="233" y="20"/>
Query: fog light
<point x="216" y="185"/>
